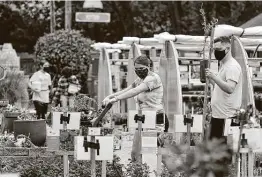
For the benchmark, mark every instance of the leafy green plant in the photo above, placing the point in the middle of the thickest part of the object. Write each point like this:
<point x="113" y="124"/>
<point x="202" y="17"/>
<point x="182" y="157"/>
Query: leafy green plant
<point x="66" y="48"/>
<point x="14" y="87"/>
<point x="205" y="159"/>
<point x="53" y="167"/>
<point x="135" y="169"/>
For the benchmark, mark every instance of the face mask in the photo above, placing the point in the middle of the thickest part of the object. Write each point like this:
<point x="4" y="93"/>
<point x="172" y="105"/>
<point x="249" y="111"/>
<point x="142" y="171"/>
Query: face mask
<point x="141" y="73"/>
<point x="220" y="54"/>
<point x="46" y="69"/>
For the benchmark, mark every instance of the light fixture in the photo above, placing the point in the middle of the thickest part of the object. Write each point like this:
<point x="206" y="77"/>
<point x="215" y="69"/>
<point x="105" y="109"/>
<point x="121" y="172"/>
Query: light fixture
<point x="93" y="4"/>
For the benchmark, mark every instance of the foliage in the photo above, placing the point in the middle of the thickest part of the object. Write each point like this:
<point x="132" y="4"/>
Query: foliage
<point x="135" y="169"/>
<point x="120" y="118"/>
<point x="13" y="87"/>
<point x="205" y="159"/>
<point x="53" y="166"/>
<point x="23" y="22"/>
<point x="66" y="48"/>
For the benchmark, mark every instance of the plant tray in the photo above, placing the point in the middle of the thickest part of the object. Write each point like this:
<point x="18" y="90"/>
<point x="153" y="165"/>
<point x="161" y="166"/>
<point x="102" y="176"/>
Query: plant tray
<point x="12" y="114"/>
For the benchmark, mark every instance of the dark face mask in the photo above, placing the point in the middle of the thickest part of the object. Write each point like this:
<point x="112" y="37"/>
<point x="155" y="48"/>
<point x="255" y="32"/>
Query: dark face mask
<point x="46" y="69"/>
<point x="220" y="54"/>
<point x="141" y="73"/>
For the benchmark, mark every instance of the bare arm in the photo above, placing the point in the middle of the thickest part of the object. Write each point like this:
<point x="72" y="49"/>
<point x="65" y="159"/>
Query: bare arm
<point x="226" y="86"/>
<point x="133" y="92"/>
<point x="120" y="92"/>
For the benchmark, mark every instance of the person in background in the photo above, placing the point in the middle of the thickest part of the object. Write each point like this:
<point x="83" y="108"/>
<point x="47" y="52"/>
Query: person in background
<point x="40" y="83"/>
<point x="68" y="86"/>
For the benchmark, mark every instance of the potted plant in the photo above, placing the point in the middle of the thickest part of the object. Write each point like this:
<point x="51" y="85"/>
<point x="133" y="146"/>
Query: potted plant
<point x="28" y="125"/>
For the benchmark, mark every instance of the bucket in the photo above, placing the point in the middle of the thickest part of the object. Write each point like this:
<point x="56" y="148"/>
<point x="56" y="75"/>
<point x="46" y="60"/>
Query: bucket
<point x="36" y="129"/>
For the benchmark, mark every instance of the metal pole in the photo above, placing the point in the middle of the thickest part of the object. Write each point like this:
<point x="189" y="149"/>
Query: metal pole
<point x="68" y="14"/>
<point x="52" y="16"/>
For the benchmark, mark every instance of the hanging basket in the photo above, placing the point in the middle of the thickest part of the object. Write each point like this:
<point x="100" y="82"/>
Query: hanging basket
<point x="35" y="129"/>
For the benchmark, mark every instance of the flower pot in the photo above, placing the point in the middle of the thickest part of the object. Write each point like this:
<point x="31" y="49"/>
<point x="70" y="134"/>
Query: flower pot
<point x="35" y="129"/>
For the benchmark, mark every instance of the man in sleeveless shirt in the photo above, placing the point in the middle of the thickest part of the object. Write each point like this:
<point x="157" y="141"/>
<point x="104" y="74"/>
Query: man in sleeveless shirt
<point x="227" y="93"/>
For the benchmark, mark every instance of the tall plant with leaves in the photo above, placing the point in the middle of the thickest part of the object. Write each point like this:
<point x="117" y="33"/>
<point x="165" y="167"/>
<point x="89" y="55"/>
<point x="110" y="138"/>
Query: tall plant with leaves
<point x="208" y="28"/>
<point x="66" y="48"/>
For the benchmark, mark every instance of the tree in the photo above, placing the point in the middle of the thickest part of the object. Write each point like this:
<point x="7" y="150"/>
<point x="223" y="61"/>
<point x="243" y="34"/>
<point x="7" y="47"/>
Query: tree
<point x="66" y="48"/>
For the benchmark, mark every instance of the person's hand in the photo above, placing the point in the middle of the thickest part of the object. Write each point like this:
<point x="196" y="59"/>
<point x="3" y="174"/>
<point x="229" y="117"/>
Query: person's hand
<point x="105" y="101"/>
<point x="210" y="74"/>
<point x="36" y="90"/>
<point x="112" y="101"/>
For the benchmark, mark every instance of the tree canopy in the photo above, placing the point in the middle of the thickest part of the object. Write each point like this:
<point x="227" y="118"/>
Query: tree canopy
<point x="23" y="22"/>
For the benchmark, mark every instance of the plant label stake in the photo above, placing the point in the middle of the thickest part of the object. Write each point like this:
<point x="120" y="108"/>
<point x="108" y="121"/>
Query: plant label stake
<point x="140" y="118"/>
<point x="65" y="118"/>
<point x="95" y="145"/>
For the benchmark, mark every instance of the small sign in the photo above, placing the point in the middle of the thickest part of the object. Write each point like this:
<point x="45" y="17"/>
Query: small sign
<point x="105" y="150"/>
<point x="94" y="17"/>
<point x="94" y="131"/>
<point x="180" y="127"/>
<point x="150" y="119"/>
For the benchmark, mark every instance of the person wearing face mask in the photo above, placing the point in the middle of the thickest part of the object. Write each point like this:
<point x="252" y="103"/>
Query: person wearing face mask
<point x="226" y="98"/>
<point x="63" y="93"/>
<point x="40" y="83"/>
<point x="147" y="90"/>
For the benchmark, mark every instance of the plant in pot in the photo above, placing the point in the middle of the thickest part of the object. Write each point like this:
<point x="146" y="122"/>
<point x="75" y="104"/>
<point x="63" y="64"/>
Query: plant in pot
<point x="27" y="124"/>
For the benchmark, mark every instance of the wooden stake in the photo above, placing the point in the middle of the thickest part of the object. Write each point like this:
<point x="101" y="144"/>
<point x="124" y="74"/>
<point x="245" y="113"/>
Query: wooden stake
<point x="93" y="161"/>
<point x="65" y="155"/>
<point x="104" y="168"/>
<point x="140" y="137"/>
<point x="250" y="163"/>
<point x="207" y="85"/>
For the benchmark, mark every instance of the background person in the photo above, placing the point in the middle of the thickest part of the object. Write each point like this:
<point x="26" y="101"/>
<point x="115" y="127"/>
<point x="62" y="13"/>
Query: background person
<point x="63" y="94"/>
<point x="40" y="83"/>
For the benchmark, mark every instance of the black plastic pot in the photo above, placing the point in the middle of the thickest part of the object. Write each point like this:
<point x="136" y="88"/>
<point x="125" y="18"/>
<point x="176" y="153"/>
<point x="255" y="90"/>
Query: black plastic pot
<point x="258" y="103"/>
<point x="35" y="129"/>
